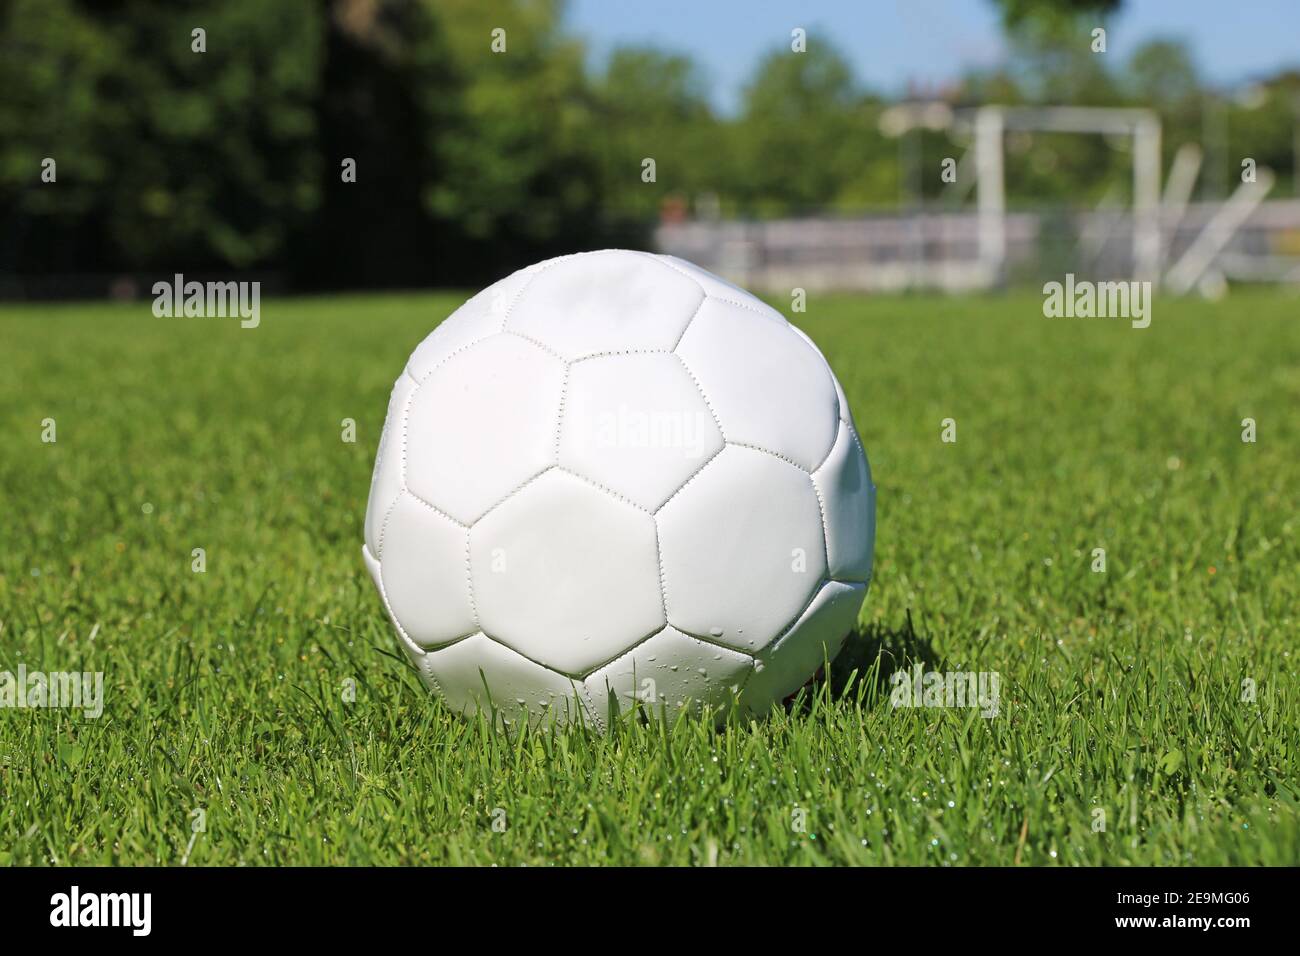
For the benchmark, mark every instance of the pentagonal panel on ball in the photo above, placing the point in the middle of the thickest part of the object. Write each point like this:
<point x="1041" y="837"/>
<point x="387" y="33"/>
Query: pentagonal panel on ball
<point x="482" y="315"/>
<point x="413" y="651"/>
<point x="636" y="424"/>
<point x="482" y="424"/>
<point x="846" y="414"/>
<point x="479" y="674"/>
<point x="386" y="480"/>
<point x="471" y="323"/>
<point x="671" y="670"/>
<point x="815" y="639"/>
<point x="424" y="573"/>
<point x="767" y="386"/>
<point x="849" y="500"/>
<point x="719" y="287"/>
<point x="566" y="574"/>
<point x="610" y="301"/>
<point x="742" y="549"/>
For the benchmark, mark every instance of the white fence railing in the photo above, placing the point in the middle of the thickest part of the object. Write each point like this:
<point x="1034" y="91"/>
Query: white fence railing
<point x="939" y="250"/>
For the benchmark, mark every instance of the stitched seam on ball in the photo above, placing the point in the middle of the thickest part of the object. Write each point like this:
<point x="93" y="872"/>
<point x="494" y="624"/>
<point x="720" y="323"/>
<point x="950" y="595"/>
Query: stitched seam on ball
<point x="384" y="591"/>
<point x="784" y="633"/>
<point x="826" y="582"/>
<point x="435" y="509"/>
<point x="680" y="271"/>
<point x="406" y="639"/>
<point x="775" y="454"/>
<point x="401" y="477"/>
<point x="613" y="354"/>
<point x="827" y="457"/>
<point x="469" y="583"/>
<point x="559" y="413"/>
<point x="826" y="531"/>
<point x="609" y="491"/>
<point x="853" y="581"/>
<point x="623" y="653"/>
<point x="449" y="356"/>
<point x="712" y="641"/>
<point x="644" y="640"/>
<point x="744" y="305"/>
<point x="698" y="307"/>
<point x="846" y="415"/>
<point x="383" y="527"/>
<point x="532" y="341"/>
<point x="406" y="415"/>
<point x="580" y="687"/>
<point x="663" y="584"/>
<point x="693" y="476"/>
<point x="505" y="318"/>
<point x="545" y="667"/>
<point x="374" y="487"/>
<point x="857" y="441"/>
<point x="427" y="671"/>
<point x="443" y="645"/>
<point x="600" y="722"/>
<point x="744" y="682"/>
<point x="544" y="267"/>
<point x="511" y="493"/>
<point x="707" y="404"/>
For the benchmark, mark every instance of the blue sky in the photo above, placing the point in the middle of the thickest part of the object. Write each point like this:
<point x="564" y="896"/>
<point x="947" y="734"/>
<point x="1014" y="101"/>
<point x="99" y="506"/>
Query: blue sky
<point x="892" y="42"/>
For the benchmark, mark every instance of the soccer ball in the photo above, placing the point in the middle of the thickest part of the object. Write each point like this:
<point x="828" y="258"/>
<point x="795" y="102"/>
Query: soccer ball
<point x="614" y="479"/>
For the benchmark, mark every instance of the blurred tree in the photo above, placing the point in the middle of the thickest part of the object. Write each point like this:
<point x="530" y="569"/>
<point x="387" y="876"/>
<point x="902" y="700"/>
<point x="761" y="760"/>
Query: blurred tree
<point x="517" y="175"/>
<point x="1161" y="74"/>
<point x="164" y="154"/>
<point x="1053" y="57"/>
<point x="1264" y="125"/>
<point x="468" y="161"/>
<point x="482" y="142"/>
<point x="1054" y="63"/>
<point x="806" y="134"/>
<point x="1052" y="14"/>
<point x="378" y="56"/>
<point x="651" y="104"/>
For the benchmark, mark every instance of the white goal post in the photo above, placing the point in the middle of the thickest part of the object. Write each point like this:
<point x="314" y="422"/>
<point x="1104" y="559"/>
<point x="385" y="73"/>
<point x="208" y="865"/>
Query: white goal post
<point x="992" y="122"/>
<point x="988" y="126"/>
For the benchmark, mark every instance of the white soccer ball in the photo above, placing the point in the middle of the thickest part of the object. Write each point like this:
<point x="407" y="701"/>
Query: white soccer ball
<point x="614" y="478"/>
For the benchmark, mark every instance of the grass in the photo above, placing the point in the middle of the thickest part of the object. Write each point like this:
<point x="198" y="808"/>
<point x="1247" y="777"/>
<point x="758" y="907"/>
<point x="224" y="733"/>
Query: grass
<point x="1121" y="692"/>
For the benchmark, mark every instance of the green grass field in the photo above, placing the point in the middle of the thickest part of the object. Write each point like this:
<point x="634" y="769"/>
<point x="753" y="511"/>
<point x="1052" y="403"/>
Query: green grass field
<point x="1126" y="692"/>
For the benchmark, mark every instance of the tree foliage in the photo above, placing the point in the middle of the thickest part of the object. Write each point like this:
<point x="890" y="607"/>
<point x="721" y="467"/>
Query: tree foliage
<point x="472" y="159"/>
